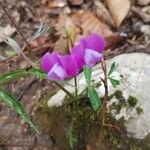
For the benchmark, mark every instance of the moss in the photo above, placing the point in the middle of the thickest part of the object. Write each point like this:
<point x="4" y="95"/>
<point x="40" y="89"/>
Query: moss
<point x="57" y="120"/>
<point x="132" y="101"/>
<point x="118" y="94"/>
<point x="110" y="97"/>
<point x="139" y="110"/>
<point x="121" y="101"/>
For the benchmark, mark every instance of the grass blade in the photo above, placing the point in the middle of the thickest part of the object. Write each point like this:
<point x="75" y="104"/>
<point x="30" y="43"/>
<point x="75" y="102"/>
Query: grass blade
<point x="11" y="76"/>
<point x="17" y="106"/>
<point x="21" y="73"/>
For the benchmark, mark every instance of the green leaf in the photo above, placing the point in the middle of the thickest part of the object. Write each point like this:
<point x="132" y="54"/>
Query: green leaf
<point x="37" y="73"/>
<point x="71" y="138"/>
<point x="114" y="82"/>
<point x="112" y="68"/>
<point x="94" y="98"/>
<point x="88" y="74"/>
<point x="21" y="73"/>
<point x="11" y="76"/>
<point x="17" y="106"/>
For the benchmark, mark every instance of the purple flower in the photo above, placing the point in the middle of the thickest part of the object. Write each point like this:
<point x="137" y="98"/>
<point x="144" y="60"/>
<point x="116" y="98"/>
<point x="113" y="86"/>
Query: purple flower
<point x="48" y="61"/>
<point x="87" y="52"/>
<point x="57" y="72"/>
<point x="69" y="64"/>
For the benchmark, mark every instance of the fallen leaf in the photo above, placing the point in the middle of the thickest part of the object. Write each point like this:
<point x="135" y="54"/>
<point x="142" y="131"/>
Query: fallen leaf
<point x="119" y="10"/>
<point x="89" y="24"/>
<point x="81" y="24"/>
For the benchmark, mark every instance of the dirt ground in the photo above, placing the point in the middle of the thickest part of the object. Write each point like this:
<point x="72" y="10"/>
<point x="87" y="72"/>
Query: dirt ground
<point x="14" y="133"/>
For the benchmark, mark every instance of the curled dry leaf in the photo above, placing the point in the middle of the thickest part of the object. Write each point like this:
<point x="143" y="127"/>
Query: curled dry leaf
<point x="119" y="10"/>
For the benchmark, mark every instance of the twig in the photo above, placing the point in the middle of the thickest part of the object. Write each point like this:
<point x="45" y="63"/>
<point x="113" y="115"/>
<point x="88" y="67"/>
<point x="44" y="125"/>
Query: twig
<point x="115" y="127"/>
<point x="17" y="29"/>
<point x="76" y="86"/>
<point x="14" y="24"/>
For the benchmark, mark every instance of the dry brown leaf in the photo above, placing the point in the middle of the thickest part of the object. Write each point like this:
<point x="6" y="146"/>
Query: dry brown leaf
<point x="119" y="10"/>
<point x="89" y="24"/>
<point x="81" y="24"/>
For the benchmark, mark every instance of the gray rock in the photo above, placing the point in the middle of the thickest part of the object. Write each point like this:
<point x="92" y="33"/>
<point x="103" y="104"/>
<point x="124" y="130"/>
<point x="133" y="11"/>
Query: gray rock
<point x="134" y="75"/>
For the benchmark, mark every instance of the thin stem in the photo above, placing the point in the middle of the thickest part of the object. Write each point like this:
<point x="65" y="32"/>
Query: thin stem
<point x="105" y="99"/>
<point x="75" y="78"/>
<point x="65" y="90"/>
<point x="76" y="86"/>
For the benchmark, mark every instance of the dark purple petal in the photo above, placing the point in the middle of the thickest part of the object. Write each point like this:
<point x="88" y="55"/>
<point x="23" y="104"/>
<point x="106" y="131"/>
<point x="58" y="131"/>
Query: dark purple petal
<point x="91" y="57"/>
<point x="57" y="73"/>
<point x="69" y="64"/>
<point x="48" y="60"/>
<point x="94" y="41"/>
<point x="78" y="53"/>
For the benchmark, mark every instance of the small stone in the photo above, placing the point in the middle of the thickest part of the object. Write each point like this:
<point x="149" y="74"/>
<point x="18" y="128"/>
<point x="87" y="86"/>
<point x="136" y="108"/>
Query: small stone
<point x="75" y="2"/>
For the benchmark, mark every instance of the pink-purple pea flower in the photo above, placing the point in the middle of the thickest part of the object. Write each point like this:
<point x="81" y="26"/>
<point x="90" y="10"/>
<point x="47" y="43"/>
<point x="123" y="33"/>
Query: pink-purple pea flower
<point x="87" y="52"/>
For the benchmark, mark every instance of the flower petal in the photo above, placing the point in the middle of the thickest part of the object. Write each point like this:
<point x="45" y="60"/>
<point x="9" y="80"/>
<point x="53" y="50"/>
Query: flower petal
<point x="91" y="57"/>
<point x="95" y="42"/>
<point x="69" y="64"/>
<point x="78" y="53"/>
<point x="48" y="60"/>
<point x="57" y="73"/>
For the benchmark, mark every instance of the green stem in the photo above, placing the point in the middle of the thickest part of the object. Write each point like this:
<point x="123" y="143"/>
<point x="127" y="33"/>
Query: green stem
<point x="62" y="88"/>
<point x="76" y="86"/>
